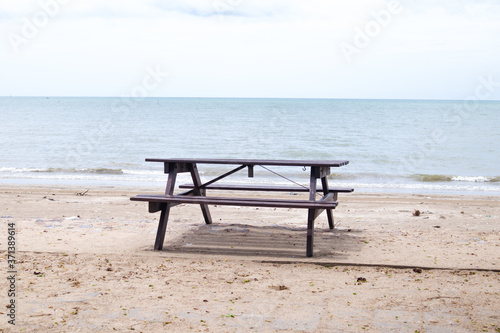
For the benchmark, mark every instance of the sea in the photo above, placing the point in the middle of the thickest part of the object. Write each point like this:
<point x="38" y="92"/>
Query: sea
<point x="393" y="146"/>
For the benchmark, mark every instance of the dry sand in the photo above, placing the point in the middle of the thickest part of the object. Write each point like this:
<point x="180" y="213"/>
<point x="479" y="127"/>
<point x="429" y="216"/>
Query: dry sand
<point x="86" y="263"/>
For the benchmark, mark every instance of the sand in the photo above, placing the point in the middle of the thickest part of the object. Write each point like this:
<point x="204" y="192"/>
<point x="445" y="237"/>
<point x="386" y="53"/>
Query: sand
<point x="85" y="262"/>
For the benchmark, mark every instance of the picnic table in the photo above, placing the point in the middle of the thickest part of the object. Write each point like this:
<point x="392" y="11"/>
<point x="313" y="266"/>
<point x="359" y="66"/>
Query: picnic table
<point x="196" y="193"/>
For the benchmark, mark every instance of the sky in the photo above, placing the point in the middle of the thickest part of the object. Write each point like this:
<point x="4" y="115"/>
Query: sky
<point x="394" y="49"/>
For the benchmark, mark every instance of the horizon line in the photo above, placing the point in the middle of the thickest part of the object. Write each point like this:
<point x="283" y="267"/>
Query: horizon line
<point x="212" y="97"/>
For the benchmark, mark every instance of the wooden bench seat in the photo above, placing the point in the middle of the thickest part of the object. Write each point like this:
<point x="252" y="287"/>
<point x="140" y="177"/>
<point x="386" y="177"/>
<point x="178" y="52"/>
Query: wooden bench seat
<point x="268" y="202"/>
<point x="163" y="203"/>
<point x="274" y="188"/>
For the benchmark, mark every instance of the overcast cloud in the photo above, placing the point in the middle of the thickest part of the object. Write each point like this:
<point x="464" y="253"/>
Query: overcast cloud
<point x="240" y="48"/>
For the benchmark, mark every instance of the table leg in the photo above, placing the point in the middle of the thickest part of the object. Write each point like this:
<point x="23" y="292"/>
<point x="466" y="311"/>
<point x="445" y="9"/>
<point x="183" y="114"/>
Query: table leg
<point x="172" y="176"/>
<point x="200" y="192"/>
<point x="324" y="184"/>
<point x="311" y="216"/>
<point x="162" y="227"/>
<point x="322" y="173"/>
<point x="312" y="184"/>
<point x="165" y="208"/>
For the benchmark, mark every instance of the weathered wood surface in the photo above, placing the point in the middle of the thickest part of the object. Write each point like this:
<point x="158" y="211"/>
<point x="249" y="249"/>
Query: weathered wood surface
<point x="270" y="188"/>
<point x="309" y="163"/>
<point x="277" y="203"/>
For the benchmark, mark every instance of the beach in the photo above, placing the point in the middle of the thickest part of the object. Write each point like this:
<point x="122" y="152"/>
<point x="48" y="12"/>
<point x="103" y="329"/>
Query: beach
<point x="85" y="261"/>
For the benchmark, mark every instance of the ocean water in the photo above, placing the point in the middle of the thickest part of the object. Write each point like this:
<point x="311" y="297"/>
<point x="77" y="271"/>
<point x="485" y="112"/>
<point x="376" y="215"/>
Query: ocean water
<point x="392" y="145"/>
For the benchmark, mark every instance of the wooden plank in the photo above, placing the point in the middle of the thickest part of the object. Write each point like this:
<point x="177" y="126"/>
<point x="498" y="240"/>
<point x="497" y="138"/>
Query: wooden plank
<point x="311" y="216"/>
<point x="326" y="191"/>
<point x="271" y="188"/>
<point x="162" y="227"/>
<point x="155" y="206"/>
<point x="179" y="167"/>
<point x="320" y="172"/>
<point x="312" y="183"/>
<point x="250" y="171"/>
<point x="278" y="203"/>
<point x="328" y="163"/>
<point x="172" y="176"/>
<point x="324" y="171"/>
<point x="200" y="192"/>
<point x="326" y="198"/>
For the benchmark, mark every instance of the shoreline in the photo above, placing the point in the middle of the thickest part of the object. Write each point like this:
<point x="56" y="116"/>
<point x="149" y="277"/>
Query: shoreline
<point x="436" y="271"/>
<point x="382" y="189"/>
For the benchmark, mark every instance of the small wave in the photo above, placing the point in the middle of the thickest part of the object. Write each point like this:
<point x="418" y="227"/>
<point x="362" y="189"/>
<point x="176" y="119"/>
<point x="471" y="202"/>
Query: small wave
<point x="433" y="178"/>
<point x="74" y="170"/>
<point x="360" y="175"/>
<point x="446" y="178"/>
<point x="16" y="170"/>
<point x="416" y="188"/>
<point x="142" y="172"/>
<point x="471" y="179"/>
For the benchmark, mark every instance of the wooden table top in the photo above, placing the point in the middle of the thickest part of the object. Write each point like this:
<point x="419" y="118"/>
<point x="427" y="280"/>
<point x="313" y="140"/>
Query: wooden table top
<point x="312" y="163"/>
